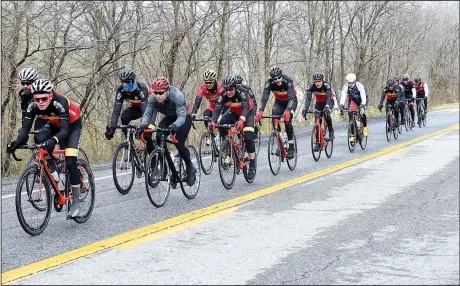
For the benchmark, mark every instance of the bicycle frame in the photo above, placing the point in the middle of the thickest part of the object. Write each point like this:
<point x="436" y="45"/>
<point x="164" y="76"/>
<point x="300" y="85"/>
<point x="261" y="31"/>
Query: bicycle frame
<point x="131" y="145"/>
<point x="233" y="133"/>
<point x="277" y="129"/>
<point x="321" y="122"/>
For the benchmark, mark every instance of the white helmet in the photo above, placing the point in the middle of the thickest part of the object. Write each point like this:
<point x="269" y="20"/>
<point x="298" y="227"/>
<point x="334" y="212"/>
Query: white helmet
<point x="42" y="86"/>
<point x="209" y="75"/>
<point x="28" y="74"/>
<point x="351" y="77"/>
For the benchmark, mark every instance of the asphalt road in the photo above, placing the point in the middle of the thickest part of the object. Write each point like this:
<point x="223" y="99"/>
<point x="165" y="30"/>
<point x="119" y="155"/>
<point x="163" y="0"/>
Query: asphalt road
<point x="390" y="219"/>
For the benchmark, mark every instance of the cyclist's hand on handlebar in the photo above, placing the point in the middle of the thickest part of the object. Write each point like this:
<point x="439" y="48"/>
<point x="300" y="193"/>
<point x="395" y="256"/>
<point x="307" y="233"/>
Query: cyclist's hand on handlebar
<point x="304" y="113"/>
<point x="12" y="146"/>
<point x="211" y="126"/>
<point x="240" y="125"/>
<point x="50" y="144"/>
<point x="173" y="128"/>
<point x="109" y="132"/>
<point x="380" y="107"/>
<point x="361" y="110"/>
<point x="193" y="116"/>
<point x="258" y="116"/>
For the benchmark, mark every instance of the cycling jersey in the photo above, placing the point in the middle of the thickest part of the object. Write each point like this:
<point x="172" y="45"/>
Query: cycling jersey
<point x="356" y="93"/>
<point x="322" y="94"/>
<point x="283" y="92"/>
<point x="61" y="112"/>
<point x="174" y="106"/>
<point x="239" y="104"/>
<point x="211" y="95"/>
<point x="251" y="94"/>
<point x="409" y="90"/>
<point x="136" y="99"/>
<point x="421" y="90"/>
<point x="389" y="94"/>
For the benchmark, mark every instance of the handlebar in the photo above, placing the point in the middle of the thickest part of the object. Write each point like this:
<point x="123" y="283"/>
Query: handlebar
<point x="26" y="146"/>
<point x="126" y="127"/>
<point x="166" y="130"/>
<point x="205" y="118"/>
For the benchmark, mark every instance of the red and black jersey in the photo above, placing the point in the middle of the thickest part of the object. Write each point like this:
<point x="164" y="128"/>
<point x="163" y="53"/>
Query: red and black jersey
<point x="212" y="95"/>
<point x="419" y="89"/>
<point x="240" y="103"/>
<point x="322" y="94"/>
<point x="284" y="92"/>
<point x="137" y="98"/>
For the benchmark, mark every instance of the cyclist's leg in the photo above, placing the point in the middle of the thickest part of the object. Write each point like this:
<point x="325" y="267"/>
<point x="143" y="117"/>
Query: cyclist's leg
<point x="249" y="139"/>
<point x="207" y="112"/>
<point x="425" y="101"/>
<point x="227" y="118"/>
<point x="71" y="145"/>
<point x="277" y="110"/>
<point x="46" y="132"/>
<point x="401" y="111"/>
<point x="411" y="108"/>
<point x="130" y="113"/>
<point x="181" y="136"/>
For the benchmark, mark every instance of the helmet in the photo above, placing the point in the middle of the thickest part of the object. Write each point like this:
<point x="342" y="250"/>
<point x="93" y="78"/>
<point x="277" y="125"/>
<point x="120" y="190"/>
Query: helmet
<point x="239" y="79"/>
<point x="318" y="76"/>
<point x="275" y="71"/>
<point x="160" y="83"/>
<point x="209" y="75"/>
<point x="127" y="74"/>
<point x="417" y="79"/>
<point x="351" y="77"/>
<point x="405" y="77"/>
<point x="390" y="82"/>
<point x="42" y="86"/>
<point x="28" y="74"/>
<point x="229" y="81"/>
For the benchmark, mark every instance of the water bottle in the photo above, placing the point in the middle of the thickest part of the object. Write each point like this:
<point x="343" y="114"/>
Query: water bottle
<point x="61" y="181"/>
<point x="285" y="139"/>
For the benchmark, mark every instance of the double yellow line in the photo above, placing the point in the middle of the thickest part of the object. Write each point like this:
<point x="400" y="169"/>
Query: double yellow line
<point x="163" y="228"/>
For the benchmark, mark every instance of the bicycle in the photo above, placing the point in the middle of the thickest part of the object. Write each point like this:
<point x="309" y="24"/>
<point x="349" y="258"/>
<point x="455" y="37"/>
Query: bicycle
<point x="37" y="191"/>
<point x="354" y="132"/>
<point x="421" y="114"/>
<point x="172" y="173"/>
<point x="34" y="156"/>
<point x="407" y="115"/>
<point x="320" y="140"/>
<point x="233" y="156"/>
<point x="123" y="163"/>
<point x="257" y="134"/>
<point x="391" y="123"/>
<point x="208" y="149"/>
<point x="278" y="147"/>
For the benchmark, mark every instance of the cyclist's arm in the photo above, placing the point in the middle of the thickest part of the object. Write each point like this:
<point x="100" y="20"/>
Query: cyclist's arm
<point x="196" y="105"/>
<point x="150" y="114"/>
<point x="220" y="103"/>
<point x="308" y="97"/>
<point x="181" y="108"/>
<point x="144" y="95"/>
<point x="290" y="92"/>
<point x="362" y="92"/>
<point x="266" y="94"/>
<point x="343" y="94"/>
<point x="329" y="100"/>
<point x="116" y="109"/>
<point x="63" y="108"/>
<point x="244" y="105"/>
<point x="425" y="87"/>
<point x="252" y="96"/>
<point x="29" y="117"/>
<point x="413" y="93"/>
<point x="382" y="98"/>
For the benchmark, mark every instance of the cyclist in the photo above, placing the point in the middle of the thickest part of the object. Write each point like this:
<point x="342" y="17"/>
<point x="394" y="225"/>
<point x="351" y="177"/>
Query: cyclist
<point x="354" y="91"/>
<point x="27" y="76"/>
<point x="391" y="93"/>
<point x="239" y="84"/>
<point x="211" y="89"/>
<point x="241" y="112"/>
<point x="136" y="94"/>
<point x="421" y="91"/>
<point x="66" y="127"/>
<point x="409" y="93"/>
<point x="171" y="102"/>
<point x="324" y="101"/>
<point x="285" y="104"/>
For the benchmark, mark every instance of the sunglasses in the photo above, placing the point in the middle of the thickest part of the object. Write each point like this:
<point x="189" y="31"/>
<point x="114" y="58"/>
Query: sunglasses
<point x="229" y="89"/>
<point x="351" y="83"/>
<point x="126" y="81"/>
<point x="277" y="78"/>
<point x="41" y="99"/>
<point x="208" y="82"/>
<point x="318" y="80"/>
<point x="159" y="92"/>
<point x="26" y="82"/>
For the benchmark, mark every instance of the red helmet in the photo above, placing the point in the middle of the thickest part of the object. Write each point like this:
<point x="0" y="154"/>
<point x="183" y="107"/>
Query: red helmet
<point x="160" y="83"/>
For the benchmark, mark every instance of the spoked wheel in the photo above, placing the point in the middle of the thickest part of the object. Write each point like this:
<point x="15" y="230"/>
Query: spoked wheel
<point x="87" y="191"/>
<point x="206" y="153"/>
<point x="424" y="118"/>
<point x="363" y="140"/>
<point x="33" y="201"/>
<point x="316" y="147"/>
<point x="292" y="163"/>
<point x="395" y="127"/>
<point x="246" y="168"/>
<point x="274" y="154"/>
<point x="123" y="168"/>
<point x="407" y="120"/>
<point x="157" y="182"/>
<point x="352" y="132"/>
<point x="191" y="191"/>
<point x="388" y="127"/>
<point x="227" y="166"/>
<point x="399" y="126"/>
<point x="330" y="145"/>
<point x="420" y="116"/>
<point x="257" y="138"/>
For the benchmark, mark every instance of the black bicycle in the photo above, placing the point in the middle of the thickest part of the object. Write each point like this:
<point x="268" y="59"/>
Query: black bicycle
<point x="355" y="131"/>
<point x="165" y="172"/>
<point x="128" y="159"/>
<point x="209" y="147"/>
<point x="421" y="114"/>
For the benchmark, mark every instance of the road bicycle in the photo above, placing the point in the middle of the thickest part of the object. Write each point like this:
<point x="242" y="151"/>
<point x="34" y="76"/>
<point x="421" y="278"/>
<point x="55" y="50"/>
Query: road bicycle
<point x="165" y="172"/>
<point x="36" y="190"/>
<point x="278" y="146"/>
<point x="407" y="115"/>
<point x="320" y="137"/>
<point x="391" y="122"/>
<point x="421" y="114"/>
<point x="233" y="156"/>
<point x="209" y="147"/>
<point x="355" y="132"/>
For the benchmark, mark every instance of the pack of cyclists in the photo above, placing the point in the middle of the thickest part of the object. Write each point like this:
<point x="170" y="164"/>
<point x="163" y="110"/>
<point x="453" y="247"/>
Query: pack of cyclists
<point x="229" y="101"/>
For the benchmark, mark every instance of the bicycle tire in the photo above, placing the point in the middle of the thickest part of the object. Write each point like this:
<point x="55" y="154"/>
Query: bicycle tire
<point x="362" y="140"/>
<point x="122" y="190"/>
<point x="395" y="128"/>
<point x="388" y="127"/>
<point x="155" y="158"/>
<point x="407" y="120"/>
<point x="257" y="138"/>
<point x="329" y="145"/>
<point x="195" y="187"/>
<point x="274" y="161"/>
<point x="316" y="143"/>
<point x="84" y="191"/>
<point x="351" y="145"/>
<point x="246" y="170"/>
<point x="223" y="165"/>
<point x="292" y="163"/>
<point x="33" y="231"/>
<point x="203" y="140"/>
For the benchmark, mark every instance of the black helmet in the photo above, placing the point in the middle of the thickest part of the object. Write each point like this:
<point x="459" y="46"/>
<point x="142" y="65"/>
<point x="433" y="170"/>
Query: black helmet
<point x="239" y="79"/>
<point x="127" y="74"/>
<point x="417" y="79"/>
<point x="275" y="72"/>
<point x="405" y="77"/>
<point x="318" y="76"/>
<point x="390" y="82"/>
<point x="229" y="81"/>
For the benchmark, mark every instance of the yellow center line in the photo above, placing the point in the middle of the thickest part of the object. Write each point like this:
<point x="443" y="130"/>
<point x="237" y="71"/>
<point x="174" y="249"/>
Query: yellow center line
<point x="165" y="227"/>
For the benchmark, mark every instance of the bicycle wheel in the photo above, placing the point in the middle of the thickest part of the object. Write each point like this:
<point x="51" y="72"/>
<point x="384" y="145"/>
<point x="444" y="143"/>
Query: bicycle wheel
<point x="82" y="155"/>
<point x="388" y="127"/>
<point x="292" y="163"/>
<point x="257" y="138"/>
<point x="352" y="136"/>
<point x="316" y="147"/>
<point x="407" y="119"/>
<point x="206" y="153"/>
<point x="362" y="139"/>
<point x="274" y="153"/>
<point x="399" y="126"/>
<point x="191" y="191"/>
<point x="419" y="115"/>
<point x="157" y="168"/>
<point x="423" y="116"/>
<point x="329" y="145"/>
<point x="246" y="168"/>
<point x="395" y="126"/>
<point x="123" y="172"/>
<point x="33" y="203"/>
<point x="87" y="191"/>
<point x="227" y="166"/>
